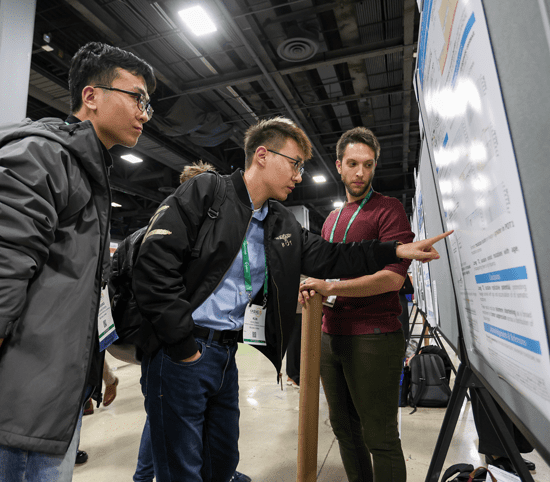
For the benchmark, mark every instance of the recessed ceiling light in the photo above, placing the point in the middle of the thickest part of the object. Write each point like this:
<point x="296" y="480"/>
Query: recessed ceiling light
<point x="197" y="20"/>
<point x="116" y="205"/>
<point x="319" y="179"/>
<point x="337" y="204"/>
<point x="131" y="158"/>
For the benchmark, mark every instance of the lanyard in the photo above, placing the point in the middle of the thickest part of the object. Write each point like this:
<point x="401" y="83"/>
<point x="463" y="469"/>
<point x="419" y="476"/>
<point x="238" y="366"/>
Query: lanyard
<point x="248" y="276"/>
<point x="365" y="200"/>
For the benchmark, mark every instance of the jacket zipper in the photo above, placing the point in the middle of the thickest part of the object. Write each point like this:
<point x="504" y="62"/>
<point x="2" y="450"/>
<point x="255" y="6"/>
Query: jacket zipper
<point x="100" y="263"/>
<point x="280" y="354"/>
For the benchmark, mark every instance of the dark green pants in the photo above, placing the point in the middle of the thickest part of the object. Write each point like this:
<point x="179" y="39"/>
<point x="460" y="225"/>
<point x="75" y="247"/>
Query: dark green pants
<point x="360" y="375"/>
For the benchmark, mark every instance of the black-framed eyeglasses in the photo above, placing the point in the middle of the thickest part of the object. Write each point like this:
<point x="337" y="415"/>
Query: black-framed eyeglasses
<point x="298" y="165"/>
<point x="142" y="102"/>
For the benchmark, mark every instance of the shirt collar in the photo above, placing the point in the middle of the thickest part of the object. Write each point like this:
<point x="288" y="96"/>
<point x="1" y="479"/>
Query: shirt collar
<point x="261" y="213"/>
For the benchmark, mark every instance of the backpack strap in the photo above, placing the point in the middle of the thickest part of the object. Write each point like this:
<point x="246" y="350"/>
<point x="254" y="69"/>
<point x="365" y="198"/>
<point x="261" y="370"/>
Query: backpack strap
<point x="422" y="379"/>
<point x="462" y="469"/>
<point x="442" y="380"/>
<point x="213" y="212"/>
<point x="484" y="471"/>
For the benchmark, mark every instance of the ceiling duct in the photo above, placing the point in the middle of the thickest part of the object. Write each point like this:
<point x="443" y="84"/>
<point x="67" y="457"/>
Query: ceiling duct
<point x="300" y="45"/>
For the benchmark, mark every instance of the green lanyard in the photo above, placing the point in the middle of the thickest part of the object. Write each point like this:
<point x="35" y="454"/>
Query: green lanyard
<point x="248" y="276"/>
<point x="365" y="200"/>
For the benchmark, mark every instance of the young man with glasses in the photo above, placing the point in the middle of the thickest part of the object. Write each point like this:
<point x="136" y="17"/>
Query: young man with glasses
<point x="54" y="248"/>
<point x="241" y="287"/>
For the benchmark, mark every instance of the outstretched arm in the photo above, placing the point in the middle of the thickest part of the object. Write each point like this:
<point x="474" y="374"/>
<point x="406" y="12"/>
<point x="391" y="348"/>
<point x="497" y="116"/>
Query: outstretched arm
<point x="421" y="250"/>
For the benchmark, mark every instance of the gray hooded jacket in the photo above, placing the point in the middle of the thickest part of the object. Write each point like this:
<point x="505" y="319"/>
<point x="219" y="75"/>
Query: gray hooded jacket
<point x="54" y="231"/>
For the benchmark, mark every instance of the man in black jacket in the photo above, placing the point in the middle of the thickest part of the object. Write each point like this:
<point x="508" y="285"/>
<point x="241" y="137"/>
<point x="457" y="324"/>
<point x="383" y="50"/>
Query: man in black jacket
<point x="241" y="286"/>
<point x="54" y="245"/>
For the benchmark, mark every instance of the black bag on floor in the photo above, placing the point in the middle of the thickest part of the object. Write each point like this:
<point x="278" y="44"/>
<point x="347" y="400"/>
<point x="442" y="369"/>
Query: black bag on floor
<point x="467" y="473"/>
<point x="463" y="471"/>
<point x="429" y="384"/>
<point x="443" y="354"/>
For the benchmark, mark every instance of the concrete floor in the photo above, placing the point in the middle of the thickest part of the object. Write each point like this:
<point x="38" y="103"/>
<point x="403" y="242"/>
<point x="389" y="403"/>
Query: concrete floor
<point x="269" y="431"/>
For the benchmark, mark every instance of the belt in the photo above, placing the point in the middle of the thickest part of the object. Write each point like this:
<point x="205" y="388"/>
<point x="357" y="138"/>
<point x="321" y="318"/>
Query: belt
<point x="223" y="337"/>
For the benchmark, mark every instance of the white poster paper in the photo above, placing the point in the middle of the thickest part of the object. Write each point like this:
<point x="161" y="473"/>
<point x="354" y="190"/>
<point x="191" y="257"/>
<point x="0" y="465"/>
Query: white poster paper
<point x="492" y="256"/>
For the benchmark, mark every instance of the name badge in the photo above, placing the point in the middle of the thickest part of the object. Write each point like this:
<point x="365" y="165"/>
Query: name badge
<point x="105" y="322"/>
<point x="254" y="325"/>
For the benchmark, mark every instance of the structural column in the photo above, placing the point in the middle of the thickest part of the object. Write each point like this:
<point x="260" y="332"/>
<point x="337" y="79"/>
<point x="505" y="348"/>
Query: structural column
<point x="16" y="35"/>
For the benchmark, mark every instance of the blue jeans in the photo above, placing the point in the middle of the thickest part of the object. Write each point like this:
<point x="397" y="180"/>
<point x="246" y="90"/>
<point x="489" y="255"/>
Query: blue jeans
<point x="17" y="465"/>
<point x="193" y="411"/>
<point x="145" y="471"/>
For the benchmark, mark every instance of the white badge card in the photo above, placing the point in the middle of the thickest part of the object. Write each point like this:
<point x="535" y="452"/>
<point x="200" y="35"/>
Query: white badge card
<point x="105" y="322"/>
<point x="331" y="299"/>
<point x="254" y="325"/>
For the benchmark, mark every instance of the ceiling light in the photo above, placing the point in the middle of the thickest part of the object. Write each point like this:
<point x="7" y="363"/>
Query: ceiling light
<point x="319" y="179"/>
<point x="337" y="204"/>
<point x="47" y="38"/>
<point x="116" y="205"/>
<point x="131" y="158"/>
<point x="197" y="20"/>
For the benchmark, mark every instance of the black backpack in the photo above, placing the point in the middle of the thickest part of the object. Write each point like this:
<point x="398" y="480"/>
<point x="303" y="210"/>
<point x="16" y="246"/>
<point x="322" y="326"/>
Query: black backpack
<point x="467" y="473"/>
<point x="429" y="385"/>
<point x="126" y="315"/>
<point x="443" y="354"/>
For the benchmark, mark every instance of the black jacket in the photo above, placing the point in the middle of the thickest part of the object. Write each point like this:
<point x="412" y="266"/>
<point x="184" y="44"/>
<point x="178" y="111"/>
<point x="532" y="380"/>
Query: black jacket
<point x="169" y="285"/>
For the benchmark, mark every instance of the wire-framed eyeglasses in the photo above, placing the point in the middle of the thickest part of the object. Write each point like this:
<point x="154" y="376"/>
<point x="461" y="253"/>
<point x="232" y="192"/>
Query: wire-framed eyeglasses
<point x="142" y="101"/>
<point x="298" y="164"/>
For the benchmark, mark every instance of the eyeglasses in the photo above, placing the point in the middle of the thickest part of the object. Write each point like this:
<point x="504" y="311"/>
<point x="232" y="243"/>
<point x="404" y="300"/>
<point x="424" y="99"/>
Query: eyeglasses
<point x="142" y="102"/>
<point x="298" y="165"/>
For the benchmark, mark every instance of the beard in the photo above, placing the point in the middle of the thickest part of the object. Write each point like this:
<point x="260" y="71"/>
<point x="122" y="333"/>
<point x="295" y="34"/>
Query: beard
<point x="358" y="192"/>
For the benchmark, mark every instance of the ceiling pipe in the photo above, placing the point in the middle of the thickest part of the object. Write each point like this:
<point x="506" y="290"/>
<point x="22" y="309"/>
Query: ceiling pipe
<point x="267" y="74"/>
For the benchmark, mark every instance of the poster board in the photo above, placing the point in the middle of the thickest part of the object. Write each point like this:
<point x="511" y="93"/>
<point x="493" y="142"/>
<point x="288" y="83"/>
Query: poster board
<point x="441" y="286"/>
<point x="484" y="158"/>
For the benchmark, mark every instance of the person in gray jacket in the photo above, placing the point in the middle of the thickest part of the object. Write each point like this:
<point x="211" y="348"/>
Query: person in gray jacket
<point x="54" y="247"/>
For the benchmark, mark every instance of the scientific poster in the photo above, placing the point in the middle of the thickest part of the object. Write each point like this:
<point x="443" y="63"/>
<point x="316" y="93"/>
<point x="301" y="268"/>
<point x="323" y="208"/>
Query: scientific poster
<point x="492" y="257"/>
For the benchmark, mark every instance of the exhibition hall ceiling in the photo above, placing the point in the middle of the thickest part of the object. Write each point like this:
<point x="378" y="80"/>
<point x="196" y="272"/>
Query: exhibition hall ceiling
<point x="327" y="65"/>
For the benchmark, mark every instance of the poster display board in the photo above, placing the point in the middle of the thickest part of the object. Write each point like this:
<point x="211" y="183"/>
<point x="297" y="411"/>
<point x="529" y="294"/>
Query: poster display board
<point x="492" y="259"/>
<point x="417" y="281"/>
<point x="441" y="295"/>
<point x="426" y="301"/>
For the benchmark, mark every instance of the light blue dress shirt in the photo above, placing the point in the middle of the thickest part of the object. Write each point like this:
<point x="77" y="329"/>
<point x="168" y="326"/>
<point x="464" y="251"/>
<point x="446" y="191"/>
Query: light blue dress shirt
<point x="224" y="308"/>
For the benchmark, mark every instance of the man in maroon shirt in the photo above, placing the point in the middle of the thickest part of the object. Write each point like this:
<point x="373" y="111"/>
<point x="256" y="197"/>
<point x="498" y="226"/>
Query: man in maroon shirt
<point x="362" y="343"/>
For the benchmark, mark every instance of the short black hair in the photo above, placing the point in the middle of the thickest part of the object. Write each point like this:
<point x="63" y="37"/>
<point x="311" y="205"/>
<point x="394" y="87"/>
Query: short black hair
<point x="97" y="63"/>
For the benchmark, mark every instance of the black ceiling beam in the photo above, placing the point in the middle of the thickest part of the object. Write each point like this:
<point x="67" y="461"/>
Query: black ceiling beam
<point x="349" y="54"/>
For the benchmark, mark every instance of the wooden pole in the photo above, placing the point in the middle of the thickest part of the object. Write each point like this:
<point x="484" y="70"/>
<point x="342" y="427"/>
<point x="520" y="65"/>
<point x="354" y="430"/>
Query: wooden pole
<point x="310" y="368"/>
